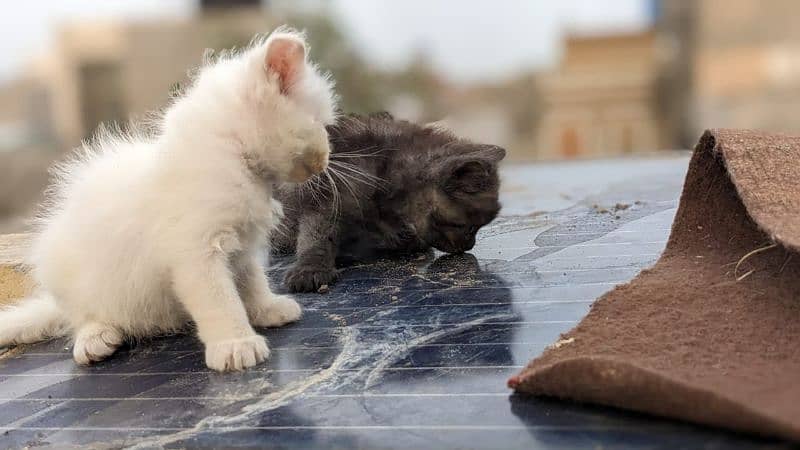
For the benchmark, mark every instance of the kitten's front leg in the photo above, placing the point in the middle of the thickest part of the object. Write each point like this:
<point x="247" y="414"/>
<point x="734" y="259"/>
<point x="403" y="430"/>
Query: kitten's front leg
<point x="264" y="308"/>
<point x="316" y="254"/>
<point x="205" y="286"/>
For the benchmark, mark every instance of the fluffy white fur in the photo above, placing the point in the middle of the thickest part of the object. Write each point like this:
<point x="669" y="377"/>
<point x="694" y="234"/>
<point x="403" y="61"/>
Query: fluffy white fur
<point x="147" y="232"/>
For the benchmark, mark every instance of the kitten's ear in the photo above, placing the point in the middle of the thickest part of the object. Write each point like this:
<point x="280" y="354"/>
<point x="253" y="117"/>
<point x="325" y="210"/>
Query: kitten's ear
<point x="286" y="57"/>
<point x="470" y="176"/>
<point x="382" y="115"/>
<point x="438" y="125"/>
<point x="493" y="153"/>
<point x="474" y="172"/>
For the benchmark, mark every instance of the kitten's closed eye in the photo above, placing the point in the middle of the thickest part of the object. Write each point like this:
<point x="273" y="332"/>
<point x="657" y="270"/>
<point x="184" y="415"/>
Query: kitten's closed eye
<point x="447" y="224"/>
<point x="440" y="222"/>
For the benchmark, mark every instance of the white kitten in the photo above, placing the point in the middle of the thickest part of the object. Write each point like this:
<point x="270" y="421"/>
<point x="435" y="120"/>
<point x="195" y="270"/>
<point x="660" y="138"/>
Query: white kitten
<point x="144" y="234"/>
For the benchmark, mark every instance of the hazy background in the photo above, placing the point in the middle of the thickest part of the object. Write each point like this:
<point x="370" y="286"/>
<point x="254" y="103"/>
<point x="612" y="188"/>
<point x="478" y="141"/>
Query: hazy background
<point x="549" y="80"/>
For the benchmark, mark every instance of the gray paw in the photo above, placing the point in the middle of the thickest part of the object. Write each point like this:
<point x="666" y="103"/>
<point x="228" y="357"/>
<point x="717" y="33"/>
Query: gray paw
<point x="308" y="278"/>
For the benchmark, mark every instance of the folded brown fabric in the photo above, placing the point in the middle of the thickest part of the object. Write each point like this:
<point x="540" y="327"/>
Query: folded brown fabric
<point x="711" y="333"/>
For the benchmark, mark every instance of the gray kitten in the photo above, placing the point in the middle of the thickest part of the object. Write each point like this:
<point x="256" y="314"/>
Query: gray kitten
<point x="391" y="186"/>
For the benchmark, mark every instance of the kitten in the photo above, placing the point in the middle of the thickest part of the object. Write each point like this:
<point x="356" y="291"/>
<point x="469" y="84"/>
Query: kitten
<point x="391" y="186"/>
<point x="145" y="233"/>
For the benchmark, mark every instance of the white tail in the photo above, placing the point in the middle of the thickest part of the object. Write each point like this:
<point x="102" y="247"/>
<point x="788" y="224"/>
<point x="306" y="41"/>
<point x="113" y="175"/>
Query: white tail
<point x="32" y="320"/>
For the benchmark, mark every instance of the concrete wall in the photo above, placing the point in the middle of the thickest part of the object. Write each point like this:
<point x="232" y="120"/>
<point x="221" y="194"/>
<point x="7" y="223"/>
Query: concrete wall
<point x="601" y="100"/>
<point x="730" y="63"/>
<point x="144" y="62"/>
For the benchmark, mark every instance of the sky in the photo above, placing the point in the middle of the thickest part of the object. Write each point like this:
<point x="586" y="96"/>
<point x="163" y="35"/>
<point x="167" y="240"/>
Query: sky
<point x="466" y="40"/>
<point x="29" y="26"/>
<point x="472" y="40"/>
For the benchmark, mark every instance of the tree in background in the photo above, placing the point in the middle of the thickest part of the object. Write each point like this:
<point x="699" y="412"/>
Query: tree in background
<point x="362" y="87"/>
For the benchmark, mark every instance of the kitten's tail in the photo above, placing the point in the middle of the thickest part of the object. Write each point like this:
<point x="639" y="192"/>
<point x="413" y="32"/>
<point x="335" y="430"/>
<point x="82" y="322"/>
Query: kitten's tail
<point x="33" y="319"/>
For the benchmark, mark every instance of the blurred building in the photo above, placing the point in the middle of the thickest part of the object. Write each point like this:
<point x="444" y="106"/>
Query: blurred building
<point x="108" y="71"/>
<point x="601" y="99"/>
<point x="25" y="116"/>
<point x="503" y="113"/>
<point x="478" y="113"/>
<point x="729" y="63"/>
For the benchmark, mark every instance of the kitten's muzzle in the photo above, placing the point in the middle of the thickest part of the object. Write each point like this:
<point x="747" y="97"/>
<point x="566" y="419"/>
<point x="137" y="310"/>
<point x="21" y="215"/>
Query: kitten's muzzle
<point x="453" y="243"/>
<point x="309" y="164"/>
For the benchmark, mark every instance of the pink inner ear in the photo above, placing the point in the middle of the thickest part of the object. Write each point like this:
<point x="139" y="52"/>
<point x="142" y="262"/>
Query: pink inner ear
<point x="286" y="57"/>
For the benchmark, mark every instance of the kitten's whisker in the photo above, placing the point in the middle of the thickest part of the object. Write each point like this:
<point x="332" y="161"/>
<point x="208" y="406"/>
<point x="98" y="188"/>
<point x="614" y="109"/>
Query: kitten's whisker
<point x="354" y="177"/>
<point x="347" y="184"/>
<point x="336" y="198"/>
<point x="287" y="208"/>
<point x="322" y="189"/>
<point x="356" y="170"/>
<point x="312" y="190"/>
<point x="359" y="154"/>
<point x="361" y="176"/>
<point x="341" y="156"/>
<point x="280" y="230"/>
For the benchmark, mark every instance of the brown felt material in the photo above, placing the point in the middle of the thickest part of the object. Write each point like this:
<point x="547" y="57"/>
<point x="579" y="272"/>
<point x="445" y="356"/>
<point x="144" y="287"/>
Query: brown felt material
<point x="686" y="339"/>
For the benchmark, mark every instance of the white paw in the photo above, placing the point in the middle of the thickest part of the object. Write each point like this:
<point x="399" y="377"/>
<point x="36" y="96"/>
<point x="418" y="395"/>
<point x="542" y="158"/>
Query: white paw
<point x="95" y="342"/>
<point x="236" y="354"/>
<point x="278" y="310"/>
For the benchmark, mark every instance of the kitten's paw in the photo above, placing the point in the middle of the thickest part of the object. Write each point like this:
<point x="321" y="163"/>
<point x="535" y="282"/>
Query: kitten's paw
<point x="95" y="342"/>
<point x="277" y="311"/>
<point x="236" y="354"/>
<point x="308" y="279"/>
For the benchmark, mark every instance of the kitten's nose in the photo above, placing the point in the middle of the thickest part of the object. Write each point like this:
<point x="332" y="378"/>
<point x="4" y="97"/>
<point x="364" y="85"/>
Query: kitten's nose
<point x="463" y="244"/>
<point x="469" y="244"/>
<point x="317" y="162"/>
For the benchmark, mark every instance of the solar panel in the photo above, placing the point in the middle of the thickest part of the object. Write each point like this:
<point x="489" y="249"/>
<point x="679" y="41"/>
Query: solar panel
<point x="410" y="353"/>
